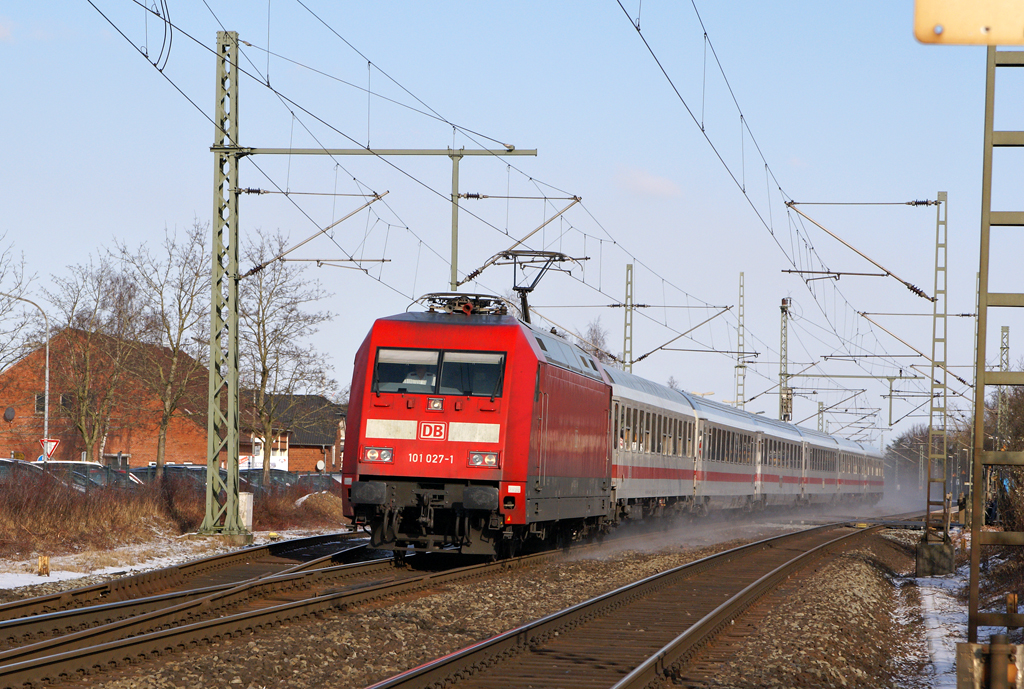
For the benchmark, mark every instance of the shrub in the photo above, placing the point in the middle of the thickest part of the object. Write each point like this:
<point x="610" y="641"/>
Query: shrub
<point x="50" y="518"/>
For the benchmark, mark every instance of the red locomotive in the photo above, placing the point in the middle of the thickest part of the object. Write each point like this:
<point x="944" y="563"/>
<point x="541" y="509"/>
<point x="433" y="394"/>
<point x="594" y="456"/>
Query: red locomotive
<point x="474" y="431"/>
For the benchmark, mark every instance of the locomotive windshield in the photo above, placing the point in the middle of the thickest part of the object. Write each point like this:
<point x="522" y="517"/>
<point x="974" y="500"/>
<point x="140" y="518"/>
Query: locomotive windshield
<point x="475" y="374"/>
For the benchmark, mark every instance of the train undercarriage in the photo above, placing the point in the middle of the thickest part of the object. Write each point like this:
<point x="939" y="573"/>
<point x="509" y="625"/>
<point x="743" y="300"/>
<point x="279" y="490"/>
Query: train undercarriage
<point x="408" y="515"/>
<point x="403" y="515"/>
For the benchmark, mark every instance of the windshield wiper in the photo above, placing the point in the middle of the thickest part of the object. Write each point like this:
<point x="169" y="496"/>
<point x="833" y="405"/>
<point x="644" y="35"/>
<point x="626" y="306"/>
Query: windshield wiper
<point x="497" y="385"/>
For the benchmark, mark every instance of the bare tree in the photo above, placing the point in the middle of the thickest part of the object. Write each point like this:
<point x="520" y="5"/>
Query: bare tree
<point x="595" y="341"/>
<point x="16" y="316"/>
<point x="514" y="304"/>
<point x="173" y="283"/>
<point x="278" y="365"/>
<point x="100" y="320"/>
<point x="673" y="383"/>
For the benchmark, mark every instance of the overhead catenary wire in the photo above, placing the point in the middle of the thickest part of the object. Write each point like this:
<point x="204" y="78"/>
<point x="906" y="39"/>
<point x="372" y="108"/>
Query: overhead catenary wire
<point x="512" y="167"/>
<point x="584" y="282"/>
<point x="913" y="288"/>
<point x="768" y="172"/>
<point x="285" y="99"/>
<point x="769" y="227"/>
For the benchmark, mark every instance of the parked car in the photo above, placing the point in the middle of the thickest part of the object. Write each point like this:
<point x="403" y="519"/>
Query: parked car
<point x="16" y="472"/>
<point x="316" y="483"/>
<point x="279" y="479"/>
<point x="89" y="475"/>
<point x="192" y="474"/>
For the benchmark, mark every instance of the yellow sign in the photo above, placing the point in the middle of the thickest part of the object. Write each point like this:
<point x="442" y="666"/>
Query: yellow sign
<point x="969" y="22"/>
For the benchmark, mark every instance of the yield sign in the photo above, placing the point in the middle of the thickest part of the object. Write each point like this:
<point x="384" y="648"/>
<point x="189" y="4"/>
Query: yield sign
<point x="49" y="445"/>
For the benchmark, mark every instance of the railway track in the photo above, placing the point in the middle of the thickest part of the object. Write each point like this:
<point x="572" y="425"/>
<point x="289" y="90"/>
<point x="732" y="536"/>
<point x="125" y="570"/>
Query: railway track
<point x="74" y="626"/>
<point x="640" y="634"/>
<point x="175" y="622"/>
<point x="228" y="568"/>
<point x="207" y="602"/>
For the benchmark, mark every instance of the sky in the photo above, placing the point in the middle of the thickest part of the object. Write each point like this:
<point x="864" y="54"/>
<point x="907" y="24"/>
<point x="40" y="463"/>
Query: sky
<point x="684" y="140"/>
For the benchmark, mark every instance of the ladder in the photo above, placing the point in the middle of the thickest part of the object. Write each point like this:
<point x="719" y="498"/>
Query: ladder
<point x="997" y="456"/>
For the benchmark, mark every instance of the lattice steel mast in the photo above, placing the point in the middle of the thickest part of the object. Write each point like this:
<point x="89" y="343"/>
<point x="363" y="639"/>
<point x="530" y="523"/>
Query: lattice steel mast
<point x="937" y="527"/>
<point x="222" y="412"/>
<point x="741" y="362"/>
<point x="627" y="330"/>
<point x="785" y="392"/>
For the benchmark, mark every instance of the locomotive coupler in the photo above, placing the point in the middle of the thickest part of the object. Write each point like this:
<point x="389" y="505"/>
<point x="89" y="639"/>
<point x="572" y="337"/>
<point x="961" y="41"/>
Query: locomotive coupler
<point x="426" y="518"/>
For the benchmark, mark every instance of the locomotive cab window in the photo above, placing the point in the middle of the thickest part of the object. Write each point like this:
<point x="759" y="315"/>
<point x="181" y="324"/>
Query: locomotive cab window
<point x="406" y="370"/>
<point x="477" y="374"/>
<point x="428" y="371"/>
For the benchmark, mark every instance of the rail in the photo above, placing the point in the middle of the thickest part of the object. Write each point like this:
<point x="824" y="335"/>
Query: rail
<point x="531" y="645"/>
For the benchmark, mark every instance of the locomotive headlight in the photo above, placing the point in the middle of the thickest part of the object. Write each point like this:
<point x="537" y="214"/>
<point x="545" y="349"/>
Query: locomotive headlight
<point x="435" y="404"/>
<point x="378" y="454"/>
<point x="488" y="460"/>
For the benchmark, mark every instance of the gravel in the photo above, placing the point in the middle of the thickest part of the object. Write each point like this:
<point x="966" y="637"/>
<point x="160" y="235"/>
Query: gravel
<point x="846" y="626"/>
<point x="854" y="623"/>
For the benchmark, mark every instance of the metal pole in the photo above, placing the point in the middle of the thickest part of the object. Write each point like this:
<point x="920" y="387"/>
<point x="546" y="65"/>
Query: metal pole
<point x="741" y="361"/>
<point x="627" y="328"/>
<point x="456" y="157"/>
<point x="785" y="395"/>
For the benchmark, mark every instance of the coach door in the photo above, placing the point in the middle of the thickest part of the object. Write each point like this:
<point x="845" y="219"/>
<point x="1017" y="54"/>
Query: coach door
<point x="804" y="461"/>
<point x="698" y="455"/>
<point x="758" y="446"/>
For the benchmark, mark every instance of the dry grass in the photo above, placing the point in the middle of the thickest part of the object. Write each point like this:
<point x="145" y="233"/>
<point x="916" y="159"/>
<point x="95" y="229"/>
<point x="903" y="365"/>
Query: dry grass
<point x="279" y="510"/>
<point x="52" y="519"/>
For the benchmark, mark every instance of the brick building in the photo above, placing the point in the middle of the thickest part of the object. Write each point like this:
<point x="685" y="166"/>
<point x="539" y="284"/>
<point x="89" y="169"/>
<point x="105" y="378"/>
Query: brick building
<point x="312" y="430"/>
<point x="312" y="427"/>
<point x="128" y="429"/>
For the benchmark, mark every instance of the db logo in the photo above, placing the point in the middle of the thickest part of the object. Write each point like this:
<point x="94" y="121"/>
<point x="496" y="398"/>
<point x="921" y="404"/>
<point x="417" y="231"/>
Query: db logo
<point x="433" y="431"/>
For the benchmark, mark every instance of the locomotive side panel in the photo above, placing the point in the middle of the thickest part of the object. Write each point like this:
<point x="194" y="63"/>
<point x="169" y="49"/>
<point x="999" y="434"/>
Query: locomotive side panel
<point x="569" y="465"/>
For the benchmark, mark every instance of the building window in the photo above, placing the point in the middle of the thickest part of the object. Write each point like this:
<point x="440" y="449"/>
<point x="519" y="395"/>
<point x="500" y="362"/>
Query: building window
<point x="40" y="402"/>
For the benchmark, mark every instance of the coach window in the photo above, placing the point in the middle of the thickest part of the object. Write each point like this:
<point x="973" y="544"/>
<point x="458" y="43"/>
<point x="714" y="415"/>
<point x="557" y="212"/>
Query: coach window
<point x="616" y="438"/>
